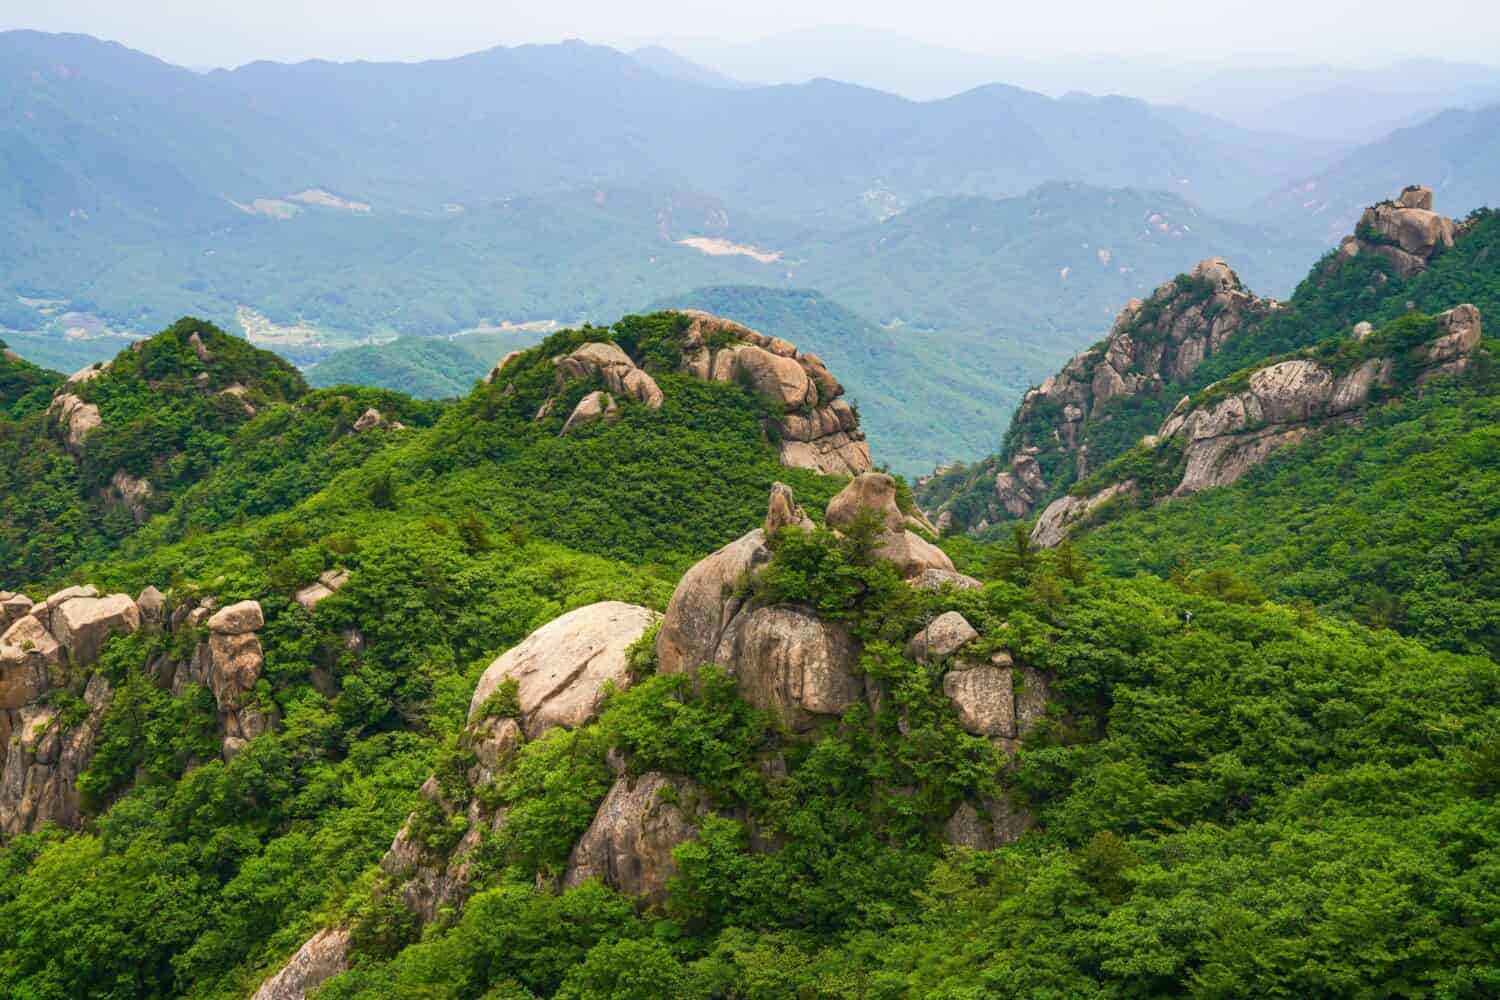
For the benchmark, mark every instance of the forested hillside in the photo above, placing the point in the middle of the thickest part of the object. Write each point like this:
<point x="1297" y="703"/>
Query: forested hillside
<point x="575" y="686"/>
<point x="1227" y="331"/>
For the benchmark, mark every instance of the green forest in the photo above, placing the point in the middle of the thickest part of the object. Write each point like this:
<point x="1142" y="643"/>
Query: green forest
<point x="1265" y="761"/>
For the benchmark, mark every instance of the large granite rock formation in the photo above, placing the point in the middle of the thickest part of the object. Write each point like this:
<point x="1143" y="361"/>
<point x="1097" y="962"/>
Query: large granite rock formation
<point x="629" y="844"/>
<point x="1153" y="343"/>
<point x="819" y="430"/>
<point x="876" y="492"/>
<point x="563" y="668"/>
<point x="1406" y="232"/>
<point x="321" y="957"/>
<point x="1229" y="432"/>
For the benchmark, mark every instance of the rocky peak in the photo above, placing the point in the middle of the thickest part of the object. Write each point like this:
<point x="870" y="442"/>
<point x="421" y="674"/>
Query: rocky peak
<point x="1236" y="424"/>
<point x="815" y="428"/>
<point x="1153" y="343"/>
<point x="1406" y="232"/>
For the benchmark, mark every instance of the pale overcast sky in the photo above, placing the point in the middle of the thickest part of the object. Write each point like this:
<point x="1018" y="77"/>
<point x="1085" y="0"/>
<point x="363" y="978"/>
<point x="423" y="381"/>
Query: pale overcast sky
<point x="1344" y="32"/>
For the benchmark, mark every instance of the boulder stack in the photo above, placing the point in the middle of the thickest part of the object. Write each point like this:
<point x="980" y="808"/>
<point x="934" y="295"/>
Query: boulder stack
<point x="1406" y="232"/>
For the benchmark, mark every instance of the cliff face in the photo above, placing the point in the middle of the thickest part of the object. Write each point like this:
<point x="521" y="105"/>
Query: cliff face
<point x="1232" y="426"/>
<point x="1152" y="343"/>
<point x="46" y="651"/>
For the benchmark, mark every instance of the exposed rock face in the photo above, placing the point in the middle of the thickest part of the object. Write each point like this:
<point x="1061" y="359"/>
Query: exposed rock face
<point x="944" y="635"/>
<point x="89" y="373"/>
<point x="594" y="407"/>
<point x="500" y="366"/>
<point x="1283" y="404"/>
<point x="321" y="957"/>
<point x="132" y="493"/>
<point x="82" y="624"/>
<point x="629" y="844"/>
<point x="562" y="668"/>
<point x="820" y="431"/>
<point x="999" y="823"/>
<point x="793" y="664"/>
<point x="31" y="663"/>
<point x="1406" y="232"/>
<point x="72" y="419"/>
<point x="1063" y="513"/>
<point x="875" y="491"/>
<point x="39" y="783"/>
<point x="369" y="421"/>
<point x="705" y="602"/>
<point x="937" y="579"/>
<point x="1152" y="344"/>
<point x="238" y="618"/>
<point x="329" y="582"/>
<point x="783" y="511"/>
<point x="620" y="374"/>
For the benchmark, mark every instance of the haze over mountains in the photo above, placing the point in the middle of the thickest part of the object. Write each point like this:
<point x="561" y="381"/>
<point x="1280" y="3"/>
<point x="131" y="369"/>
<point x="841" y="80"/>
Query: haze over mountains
<point x="322" y="205"/>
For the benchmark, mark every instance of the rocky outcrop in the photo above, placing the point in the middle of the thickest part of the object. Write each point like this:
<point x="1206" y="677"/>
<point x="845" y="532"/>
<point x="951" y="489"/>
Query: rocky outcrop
<point x="1064" y="513"/>
<point x="1406" y="232"/>
<point x="1152" y="344"/>
<point x="944" y="635"/>
<point x="707" y="600"/>
<point x="629" y="844"/>
<point x="783" y="511"/>
<point x="613" y="365"/>
<point x="814" y="429"/>
<point x="563" y="668"/>
<point x="995" y="824"/>
<point x="71" y="419"/>
<point x="800" y="668"/>
<point x="936" y="579"/>
<point x="321" y="957"/>
<point x="594" y="407"/>
<point x="819" y="430"/>
<point x="329" y="582"/>
<point x="1230" y="431"/>
<point x="45" y="652"/>
<point x="875" y="492"/>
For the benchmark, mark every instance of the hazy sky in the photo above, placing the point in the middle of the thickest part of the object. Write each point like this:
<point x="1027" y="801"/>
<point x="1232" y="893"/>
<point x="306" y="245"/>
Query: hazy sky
<point x="1346" y="32"/>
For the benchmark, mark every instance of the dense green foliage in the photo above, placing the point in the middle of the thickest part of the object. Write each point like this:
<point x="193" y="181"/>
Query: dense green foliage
<point x="1232" y="793"/>
<point x="1393" y="521"/>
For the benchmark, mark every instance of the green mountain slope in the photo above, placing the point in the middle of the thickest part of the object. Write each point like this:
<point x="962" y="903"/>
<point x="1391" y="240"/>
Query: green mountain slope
<point x="1338" y="292"/>
<point x="834" y="767"/>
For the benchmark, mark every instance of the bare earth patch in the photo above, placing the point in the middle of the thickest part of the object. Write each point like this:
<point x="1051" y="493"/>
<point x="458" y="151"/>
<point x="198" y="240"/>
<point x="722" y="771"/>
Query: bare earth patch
<point x="723" y="248"/>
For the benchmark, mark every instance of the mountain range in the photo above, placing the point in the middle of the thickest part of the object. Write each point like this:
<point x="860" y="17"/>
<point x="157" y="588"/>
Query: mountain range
<point x="321" y="206"/>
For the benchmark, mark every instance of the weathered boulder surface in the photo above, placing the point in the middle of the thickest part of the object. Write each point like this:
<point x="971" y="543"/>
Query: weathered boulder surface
<point x="1065" y="512"/>
<point x="321" y="957"/>
<point x="563" y="667"/>
<point x="876" y="492"/>
<point x="1406" y="232"/>
<point x="613" y="365"/>
<point x="936" y="579"/>
<point x="783" y="511"/>
<point x="71" y="420"/>
<point x="629" y="844"/>
<point x="82" y="624"/>
<point x="706" y="601"/>
<point x="329" y="582"/>
<point x="793" y="664"/>
<point x="999" y="823"/>
<point x="944" y="635"/>
<point x="30" y="663"/>
<point x="594" y="407"/>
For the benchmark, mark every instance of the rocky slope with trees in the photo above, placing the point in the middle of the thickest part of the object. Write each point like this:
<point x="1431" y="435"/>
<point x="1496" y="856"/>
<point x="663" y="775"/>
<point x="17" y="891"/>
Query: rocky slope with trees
<point x="484" y="699"/>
